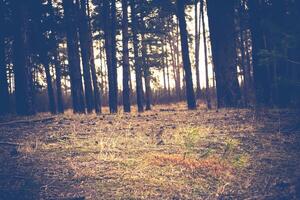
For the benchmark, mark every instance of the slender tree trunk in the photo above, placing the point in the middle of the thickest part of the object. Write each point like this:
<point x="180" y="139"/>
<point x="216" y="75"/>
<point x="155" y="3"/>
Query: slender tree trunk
<point x="114" y="56"/>
<point x="244" y="68"/>
<point x="207" y="89"/>
<point x="22" y="69"/>
<point x="242" y="41"/>
<point x="109" y="13"/>
<point x="169" y="83"/>
<point x="43" y="50"/>
<point x="190" y="95"/>
<point x="248" y="60"/>
<point x="126" y="67"/>
<point x="164" y="65"/>
<point x="59" y="96"/>
<point x="108" y="50"/>
<point x="46" y="64"/>
<point x="55" y="52"/>
<point x="97" y="91"/>
<point x="102" y="71"/>
<point x="147" y="75"/>
<point x="167" y="70"/>
<point x="85" y="53"/>
<point x="178" y="68"/>
<point x="4" y="94"/>
<point x="260" y="73"/>
<point x="164" y="76"/>
<point x="173" y="60"/>
<point x="222" y="29"/>
<point x="73" y="57"/>
<point x="11" y="79"/>
<point x="130" y="83"/>
<point x="138" y="70"/>
<point x="168" y="74"/>
<point x="197" y="50"/>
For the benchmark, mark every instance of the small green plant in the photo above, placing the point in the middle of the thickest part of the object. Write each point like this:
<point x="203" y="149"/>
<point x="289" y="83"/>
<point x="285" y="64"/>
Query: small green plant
<point x="241" y="160"/>
<point x="230" y="146"/>
<point x="191" y="138"/>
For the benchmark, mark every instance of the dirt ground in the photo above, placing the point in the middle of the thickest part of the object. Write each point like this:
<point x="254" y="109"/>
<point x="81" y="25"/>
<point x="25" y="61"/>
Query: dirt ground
<point x="167" y="153"/>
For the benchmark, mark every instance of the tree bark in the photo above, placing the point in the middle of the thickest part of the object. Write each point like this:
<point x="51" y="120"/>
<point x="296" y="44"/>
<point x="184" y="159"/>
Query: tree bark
<point x="114" y="57"/>
<point x="207" y="89"/>
<point x="197" y="50"/>
<point x="138" y="67"/>
<point x="22" y="69"/>
<point x="43" y="51"/>
<point x="126" y="67"/>
<point x="85" y="54"/>
<point x="147" y="75"/>
<point x="73" y="57"/>
<point x="222" y="32"/>
<point x="110" y="47"/>
<point x="97" y="91"/>
<point x="46" y="64"/>
<point x="190" y="95"/>
<point x="4" y="93"/>
<point x="178" y="67"/>
<point x="55" y="49"/>
<point x="260" y="73"/>
<point x="59" y="96"/>
<point x="164" y="65"/>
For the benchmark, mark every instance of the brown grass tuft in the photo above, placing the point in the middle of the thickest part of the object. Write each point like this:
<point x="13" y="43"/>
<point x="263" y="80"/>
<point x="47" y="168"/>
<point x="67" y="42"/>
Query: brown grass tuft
<point x="212" y="165"/>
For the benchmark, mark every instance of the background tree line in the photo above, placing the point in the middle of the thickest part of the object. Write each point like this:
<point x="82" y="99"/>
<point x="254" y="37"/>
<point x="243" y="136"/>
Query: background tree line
<point x="73" y="53"/>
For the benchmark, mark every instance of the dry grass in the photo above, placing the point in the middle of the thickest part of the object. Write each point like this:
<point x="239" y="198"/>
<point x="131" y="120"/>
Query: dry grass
<point x="161" y="154"/>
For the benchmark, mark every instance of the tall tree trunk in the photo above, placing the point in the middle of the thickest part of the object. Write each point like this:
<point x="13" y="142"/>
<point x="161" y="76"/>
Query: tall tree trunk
<point x="178" y="68"/>
<point x="97" y="92"/>
<point x="102" y="66"/>
<point x="103" y="71"/>
<point x="260" y="73"/>
<point x="59" y="96"/>
<point x="168" y="72"/>
<point x="55" y="49"/>
<point x="168" y="79"/>
<point x="4" y="94"/>
<point x="130" y="83"/>
<point x="114" y="56"/>
<point x="207" y="89"/>
<point x="85" y="54"/>
<point x="248" y="60"/>
<point x="22" y="69"/>
<point x="46" y="64"/>
<point x="73" y="57"/>
<point x="164" y="65"/>
<point x="147" y="75"/>
<point x="173" y="60"/>
<point x="222" y="29"/>
<point x="244" y="68"/>
<point x="110" y="47"/>
<point x="197" y="50"/>
<point x="138" y="67"/>
<point x="43" y="49"/>
<point x="175" y="66"/>
<point x="190" y="95"/>
<point x="126" y="67"/>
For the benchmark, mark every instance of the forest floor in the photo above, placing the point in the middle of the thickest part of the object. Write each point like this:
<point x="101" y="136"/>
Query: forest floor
<point x="167" y="153"/>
